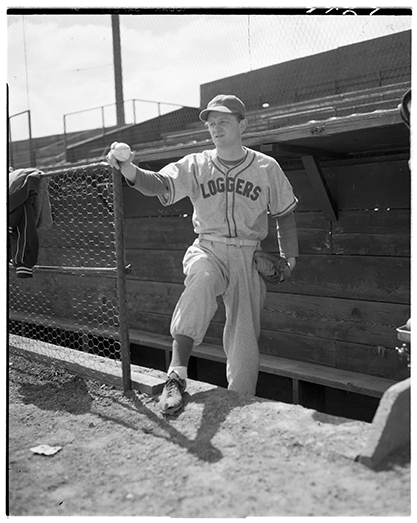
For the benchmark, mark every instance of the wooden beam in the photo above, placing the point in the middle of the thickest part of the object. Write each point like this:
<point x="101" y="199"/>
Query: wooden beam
<point x="301" y="150"/>
<point x="305" y="131"/>
<point x="320" y="187"/>
<point x="295" y="391"/>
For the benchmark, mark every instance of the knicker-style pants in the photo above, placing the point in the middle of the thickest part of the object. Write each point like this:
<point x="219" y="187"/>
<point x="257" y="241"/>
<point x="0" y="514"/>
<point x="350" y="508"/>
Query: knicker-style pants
<point x="214" y="269"/>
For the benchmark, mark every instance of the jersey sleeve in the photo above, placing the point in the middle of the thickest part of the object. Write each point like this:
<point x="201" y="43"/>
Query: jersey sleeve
<point x="282" y="198"/>
<point x="180" y="180"/>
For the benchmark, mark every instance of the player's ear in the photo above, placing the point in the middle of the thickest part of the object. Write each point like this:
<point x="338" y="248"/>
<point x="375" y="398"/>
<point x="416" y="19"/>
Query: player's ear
<point x="243" y="124"/>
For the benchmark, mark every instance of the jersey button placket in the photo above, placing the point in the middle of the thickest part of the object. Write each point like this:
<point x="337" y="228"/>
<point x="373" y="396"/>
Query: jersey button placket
<point x="229" y="218"/>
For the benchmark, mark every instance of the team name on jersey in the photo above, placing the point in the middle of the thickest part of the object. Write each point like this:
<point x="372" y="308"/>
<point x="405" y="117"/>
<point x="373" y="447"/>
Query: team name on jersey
<point x="239" y="186"/>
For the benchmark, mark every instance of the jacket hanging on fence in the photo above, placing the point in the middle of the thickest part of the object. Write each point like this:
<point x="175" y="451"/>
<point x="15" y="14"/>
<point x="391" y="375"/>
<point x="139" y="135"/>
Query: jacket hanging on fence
<point x="28" y="211"/>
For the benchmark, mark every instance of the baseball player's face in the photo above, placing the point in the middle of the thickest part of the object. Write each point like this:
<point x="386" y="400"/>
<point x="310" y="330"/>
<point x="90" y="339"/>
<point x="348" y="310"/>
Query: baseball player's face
<point x="225" y="129"/>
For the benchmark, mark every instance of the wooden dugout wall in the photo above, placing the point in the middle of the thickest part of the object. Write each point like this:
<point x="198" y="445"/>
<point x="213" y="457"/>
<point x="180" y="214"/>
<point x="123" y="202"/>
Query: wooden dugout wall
<point x="339" y="312"/>
<point x="349" y="291"/>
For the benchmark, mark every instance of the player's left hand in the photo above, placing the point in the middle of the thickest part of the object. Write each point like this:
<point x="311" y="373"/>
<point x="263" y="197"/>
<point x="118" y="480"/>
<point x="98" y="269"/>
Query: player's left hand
<point x="272" y="267"/>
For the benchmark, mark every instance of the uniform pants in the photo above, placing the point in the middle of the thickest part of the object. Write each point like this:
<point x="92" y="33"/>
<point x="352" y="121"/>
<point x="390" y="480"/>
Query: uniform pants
<point x="214" y="269"/>
<point x="23" y="239"/>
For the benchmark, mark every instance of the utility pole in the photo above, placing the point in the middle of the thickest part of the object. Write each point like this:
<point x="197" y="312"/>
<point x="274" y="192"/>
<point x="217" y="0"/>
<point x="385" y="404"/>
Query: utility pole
<point x="118" y="77"/>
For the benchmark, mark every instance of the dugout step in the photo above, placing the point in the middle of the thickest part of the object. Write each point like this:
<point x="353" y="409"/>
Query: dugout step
<point x="87" y="365"/>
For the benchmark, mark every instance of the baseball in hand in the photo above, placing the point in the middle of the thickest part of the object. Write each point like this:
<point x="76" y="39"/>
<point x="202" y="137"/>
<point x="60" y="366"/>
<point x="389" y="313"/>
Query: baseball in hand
<point x="122" y="152"/>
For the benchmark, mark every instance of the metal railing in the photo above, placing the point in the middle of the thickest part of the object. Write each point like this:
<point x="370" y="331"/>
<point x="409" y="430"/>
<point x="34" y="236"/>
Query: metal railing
<point x="104" y="126"/>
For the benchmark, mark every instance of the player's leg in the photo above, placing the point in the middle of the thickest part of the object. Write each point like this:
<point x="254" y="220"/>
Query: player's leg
<point x="171" y="398"/>
<point x="243" y="300"/>
<point x="196" y="307"/>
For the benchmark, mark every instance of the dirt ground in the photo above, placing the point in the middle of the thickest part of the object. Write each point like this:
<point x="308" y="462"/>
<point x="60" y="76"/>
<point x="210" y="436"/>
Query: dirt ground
<point x="223" y="456"/>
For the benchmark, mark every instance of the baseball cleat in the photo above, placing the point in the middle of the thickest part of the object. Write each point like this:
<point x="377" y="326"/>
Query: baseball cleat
<point x="171" y="399"/>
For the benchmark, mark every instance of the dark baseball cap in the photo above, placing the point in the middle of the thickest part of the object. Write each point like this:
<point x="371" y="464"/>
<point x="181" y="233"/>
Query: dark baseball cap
<point x="224" y="103"/>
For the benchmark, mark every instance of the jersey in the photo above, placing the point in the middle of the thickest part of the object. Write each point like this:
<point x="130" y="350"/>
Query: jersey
<point x="29" y="210"/>
<point x="230" y="201"/>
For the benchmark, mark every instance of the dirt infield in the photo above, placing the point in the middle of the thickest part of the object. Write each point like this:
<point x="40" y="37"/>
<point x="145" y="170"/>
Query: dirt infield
<point x="223" y="456"/>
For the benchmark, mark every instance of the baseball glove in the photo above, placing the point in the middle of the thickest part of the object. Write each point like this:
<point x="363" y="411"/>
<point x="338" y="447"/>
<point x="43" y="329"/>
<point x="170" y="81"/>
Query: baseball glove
<point x="272" y="267"/>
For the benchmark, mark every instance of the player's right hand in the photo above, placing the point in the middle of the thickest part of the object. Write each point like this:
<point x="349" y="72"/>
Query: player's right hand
<point x="114" y="162"/>
<point x="127" y="168"/>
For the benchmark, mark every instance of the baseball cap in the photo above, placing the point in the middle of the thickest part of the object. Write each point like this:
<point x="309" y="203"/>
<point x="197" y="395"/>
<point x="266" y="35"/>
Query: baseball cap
<point x="224" y="103"/>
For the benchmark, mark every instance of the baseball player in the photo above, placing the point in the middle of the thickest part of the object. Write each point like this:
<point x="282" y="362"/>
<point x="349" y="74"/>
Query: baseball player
<point x="232" y="188"/>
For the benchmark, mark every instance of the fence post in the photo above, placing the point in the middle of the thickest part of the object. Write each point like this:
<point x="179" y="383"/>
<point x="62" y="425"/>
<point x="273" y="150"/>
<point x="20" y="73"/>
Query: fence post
<point x="121" y="278"/>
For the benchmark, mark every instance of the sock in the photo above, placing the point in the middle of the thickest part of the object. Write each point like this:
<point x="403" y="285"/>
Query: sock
<point x="180" y="371"/>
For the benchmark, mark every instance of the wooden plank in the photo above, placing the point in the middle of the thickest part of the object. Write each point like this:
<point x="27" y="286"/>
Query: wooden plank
<point x="372" y="244"/>
<point x="152" y="297"/>
<point x="156" y="265"/>
<point x="87" y="298"/>
<point x="296" y="391"/>
<point x="298" y="347"/>
<point x="136" y="204"/>
<point x="320" y="187"/>
<point x="364" y="322"/>
<point x="372" y="221"/>
<point x="152" y="233"/>
<point x="383" y="232"/>
<point x="374" y="278"/>
<point x="379" y="360"/>
<point x="311" y="220"/>
<point x="327" y="376"/>
<point x="89" y="366"/>
<point x="297" y="150"/>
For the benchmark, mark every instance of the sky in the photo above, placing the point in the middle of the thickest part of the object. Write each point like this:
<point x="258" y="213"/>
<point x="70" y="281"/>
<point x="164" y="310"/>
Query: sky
<point x="60" y="66"/>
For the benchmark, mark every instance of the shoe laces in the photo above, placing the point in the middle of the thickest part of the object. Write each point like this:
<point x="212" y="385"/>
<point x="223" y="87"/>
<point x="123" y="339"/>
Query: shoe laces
<point x="173" y="385"/>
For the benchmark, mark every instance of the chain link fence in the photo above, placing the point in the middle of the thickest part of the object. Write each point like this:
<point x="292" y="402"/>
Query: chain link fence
<point x="71" y="306"/>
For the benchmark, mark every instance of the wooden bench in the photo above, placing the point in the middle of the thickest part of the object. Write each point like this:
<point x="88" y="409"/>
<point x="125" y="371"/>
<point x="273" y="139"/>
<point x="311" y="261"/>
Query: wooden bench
<point x="296" y="371"/>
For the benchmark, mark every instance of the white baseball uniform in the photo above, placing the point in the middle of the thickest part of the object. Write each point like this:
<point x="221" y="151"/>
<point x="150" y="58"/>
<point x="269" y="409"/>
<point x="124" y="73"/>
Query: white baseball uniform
<point x="231" y="206"/>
